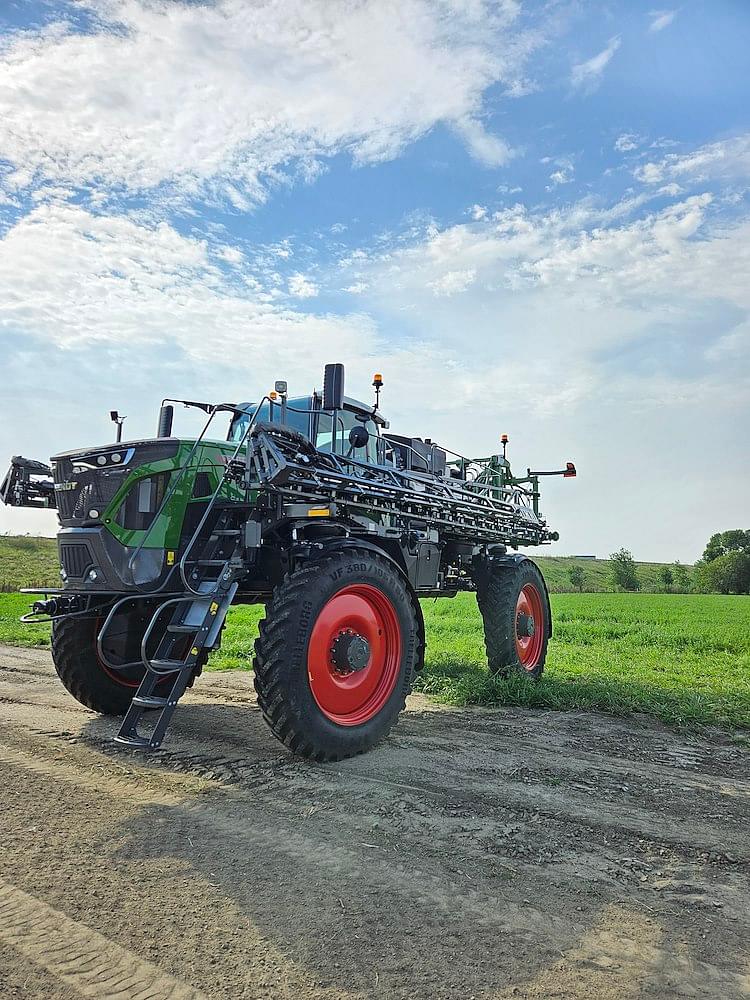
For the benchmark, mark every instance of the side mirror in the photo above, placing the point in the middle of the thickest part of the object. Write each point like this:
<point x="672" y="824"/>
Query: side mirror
<point x="359" y="436"/>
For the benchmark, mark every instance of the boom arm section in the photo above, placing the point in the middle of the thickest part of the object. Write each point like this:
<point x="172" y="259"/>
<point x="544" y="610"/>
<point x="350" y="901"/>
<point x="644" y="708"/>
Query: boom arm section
<point x="28" y="484"/>
<point x="287" y="465"/>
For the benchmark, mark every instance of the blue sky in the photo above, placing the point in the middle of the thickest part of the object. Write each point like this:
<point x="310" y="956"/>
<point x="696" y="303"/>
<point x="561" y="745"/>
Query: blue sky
<point x="532" y="217"/>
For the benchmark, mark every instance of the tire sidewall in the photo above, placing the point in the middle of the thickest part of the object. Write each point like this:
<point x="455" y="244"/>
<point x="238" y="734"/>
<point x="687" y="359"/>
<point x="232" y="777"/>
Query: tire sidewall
<point x="78" y="667"/>
<point x="527" y="573"/>
<point x="498" y="586"/>
<point x="334" y="573"/>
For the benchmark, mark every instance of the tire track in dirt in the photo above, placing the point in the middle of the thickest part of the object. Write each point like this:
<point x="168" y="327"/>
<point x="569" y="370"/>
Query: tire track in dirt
<point x="264" y="780"/>
<point x="631" y="949"/>
<point x="496" y="786"/>
<point x="158" y="787"/>
<point x="459" y="850"/>
<point x="83" y="959"/>
<point x="493" y="788"/>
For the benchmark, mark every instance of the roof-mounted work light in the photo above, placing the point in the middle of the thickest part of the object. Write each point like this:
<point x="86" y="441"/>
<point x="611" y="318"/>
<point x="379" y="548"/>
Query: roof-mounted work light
<point x="115" y="417"/>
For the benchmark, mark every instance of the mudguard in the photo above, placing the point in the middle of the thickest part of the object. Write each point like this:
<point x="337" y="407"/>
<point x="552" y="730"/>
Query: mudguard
<point x="341" y="543"/>
<point x="512" y="559"/>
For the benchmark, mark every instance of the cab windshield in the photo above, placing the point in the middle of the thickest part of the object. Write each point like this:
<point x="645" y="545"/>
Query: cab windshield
<point x="295" y="417"/>
<point x="319" y="423"/>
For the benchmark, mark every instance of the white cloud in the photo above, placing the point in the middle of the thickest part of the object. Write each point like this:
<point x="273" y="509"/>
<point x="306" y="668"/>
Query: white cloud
<point x="563" y="174"/>
<point x="301" y="287"/>
<point x="232" y="255"/>
<point x="661" y="19"/>
<point x="71" y="278"/>
<point x="490" y="150"/>
<point x="478" y="212"/>
<point x="587" y="75"/>
<point x="224" y="99"/>
<point x="627" y="142"/>
<point x="453" y="282"/>
<point x="728" y="159"/>
<point x="583" y="248"/>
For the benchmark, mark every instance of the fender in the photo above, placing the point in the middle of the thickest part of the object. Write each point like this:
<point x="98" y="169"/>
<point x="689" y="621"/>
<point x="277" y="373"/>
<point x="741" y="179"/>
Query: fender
<point x="341" y="543"/>
<point x="513" y="559"/>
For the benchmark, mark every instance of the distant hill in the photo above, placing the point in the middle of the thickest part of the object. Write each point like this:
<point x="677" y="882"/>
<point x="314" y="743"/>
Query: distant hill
<point x="596" y="574"/>
<point x="32" y="562"/>
<point x="26" y="561"/>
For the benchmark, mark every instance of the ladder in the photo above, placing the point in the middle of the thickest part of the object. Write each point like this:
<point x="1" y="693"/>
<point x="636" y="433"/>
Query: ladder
<point x="189" y="626"/>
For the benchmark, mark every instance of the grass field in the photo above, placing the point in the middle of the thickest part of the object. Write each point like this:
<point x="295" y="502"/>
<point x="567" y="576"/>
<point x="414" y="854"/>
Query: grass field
<point x="682" y="658"/>
<point x="28" y="562"/>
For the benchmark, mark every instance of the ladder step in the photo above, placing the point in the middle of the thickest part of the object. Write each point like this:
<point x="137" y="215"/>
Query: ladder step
<point x="149" y="701"/>
<point x="184" y="628"/>
<point x="133" y="741"/>
<point x="209" y="562"/>
<point x="227" y="531"/>
<point x="167" y="665"/>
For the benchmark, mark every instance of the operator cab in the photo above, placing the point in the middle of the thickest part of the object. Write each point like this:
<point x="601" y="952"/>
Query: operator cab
<point x="306" y="415"/>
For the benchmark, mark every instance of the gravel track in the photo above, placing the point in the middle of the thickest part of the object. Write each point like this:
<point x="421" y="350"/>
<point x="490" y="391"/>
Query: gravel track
<point x="488" y="854"/>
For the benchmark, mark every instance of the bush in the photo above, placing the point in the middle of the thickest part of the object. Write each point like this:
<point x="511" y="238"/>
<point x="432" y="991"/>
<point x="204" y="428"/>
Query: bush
<point x="724" y="574"/>
<point x="682" y="580"/>
<point x="577" y="577"/>
<point x="623" y="571"/>
<point x="666" y="578"/>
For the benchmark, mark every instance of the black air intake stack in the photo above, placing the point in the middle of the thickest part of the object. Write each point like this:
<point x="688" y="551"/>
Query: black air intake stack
<point x="333" y="396"/>
<point x="333" y="387"/>
<point x="166" y="415"/>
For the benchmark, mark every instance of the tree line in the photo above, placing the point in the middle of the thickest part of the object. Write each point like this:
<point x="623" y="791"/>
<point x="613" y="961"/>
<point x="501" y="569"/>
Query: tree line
<point x="724" y="568"/>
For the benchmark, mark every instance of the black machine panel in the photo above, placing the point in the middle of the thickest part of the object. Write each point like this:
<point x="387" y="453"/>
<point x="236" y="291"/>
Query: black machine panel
<point x="415" y="455"/>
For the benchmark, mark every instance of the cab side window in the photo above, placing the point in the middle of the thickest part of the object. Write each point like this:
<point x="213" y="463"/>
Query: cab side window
<point x="345" y="420"/>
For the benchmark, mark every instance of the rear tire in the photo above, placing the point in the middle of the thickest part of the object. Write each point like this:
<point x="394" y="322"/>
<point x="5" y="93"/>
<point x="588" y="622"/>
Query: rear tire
<point x="336" y="654"/>
<point x="513" y="601"/>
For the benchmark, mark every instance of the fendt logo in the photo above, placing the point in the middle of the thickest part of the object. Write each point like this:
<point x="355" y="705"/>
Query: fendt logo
<point x="66" y="486"/>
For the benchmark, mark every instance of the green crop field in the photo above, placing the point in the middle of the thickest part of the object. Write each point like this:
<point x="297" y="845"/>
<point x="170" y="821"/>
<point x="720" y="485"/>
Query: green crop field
<point x="682" y="658"/>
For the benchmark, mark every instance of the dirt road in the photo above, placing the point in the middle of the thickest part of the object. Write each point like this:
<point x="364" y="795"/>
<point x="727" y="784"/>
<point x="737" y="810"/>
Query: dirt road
<point x="476" y="854"/>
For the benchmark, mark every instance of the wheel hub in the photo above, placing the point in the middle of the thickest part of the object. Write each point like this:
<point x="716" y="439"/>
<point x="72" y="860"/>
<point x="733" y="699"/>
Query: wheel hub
<point x="525" y="626"/>
<point x="350" y="652"/>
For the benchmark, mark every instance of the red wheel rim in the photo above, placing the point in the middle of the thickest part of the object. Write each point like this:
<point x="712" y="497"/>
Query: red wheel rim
<point x="350" y="697"/>
<point x="529" y="608"/>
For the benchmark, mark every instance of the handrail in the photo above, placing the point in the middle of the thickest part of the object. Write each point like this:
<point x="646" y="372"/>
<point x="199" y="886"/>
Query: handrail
<point x="107" y="622"/>
<point x="214" y="497"/>
<point x="147" y="634"/>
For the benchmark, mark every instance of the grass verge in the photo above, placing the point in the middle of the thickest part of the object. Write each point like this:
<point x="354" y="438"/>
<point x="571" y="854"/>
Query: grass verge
<point x="684" y="659"/>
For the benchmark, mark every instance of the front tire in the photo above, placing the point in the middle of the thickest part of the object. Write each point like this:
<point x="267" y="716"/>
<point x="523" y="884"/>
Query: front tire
<point x="513" y="601"/>
<point x="85" y="676"/>
<point x="336" y="654"/>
